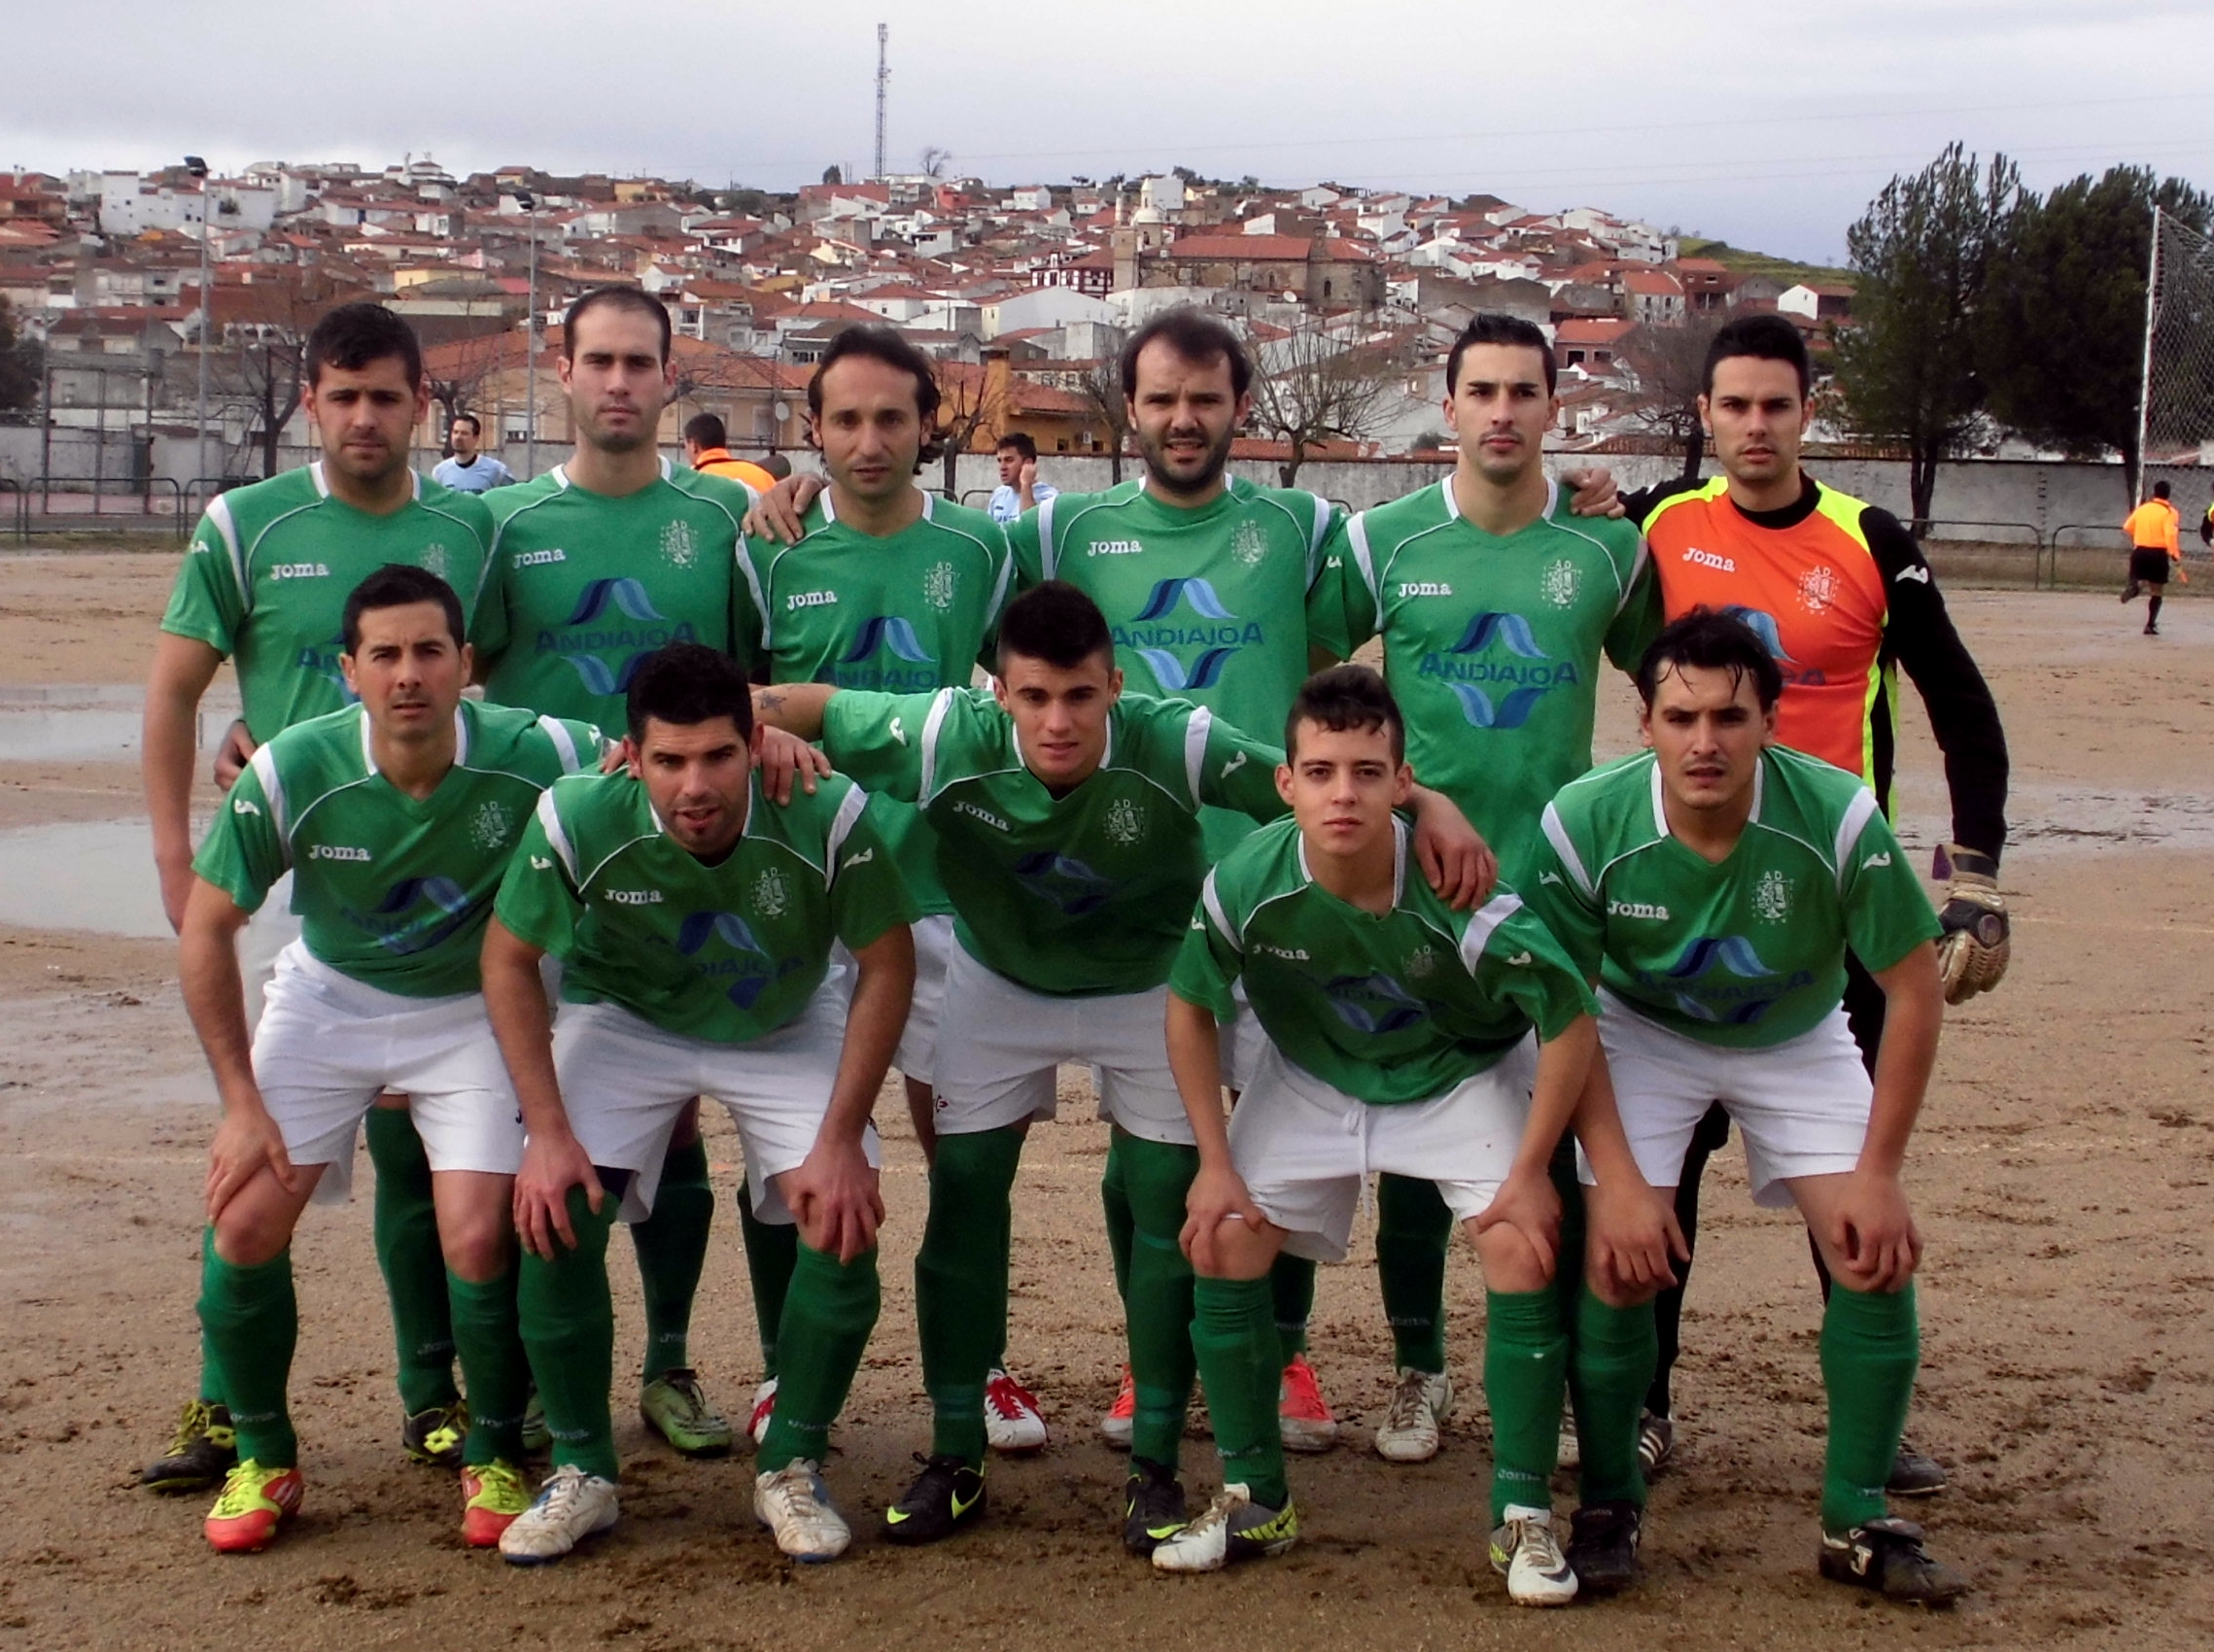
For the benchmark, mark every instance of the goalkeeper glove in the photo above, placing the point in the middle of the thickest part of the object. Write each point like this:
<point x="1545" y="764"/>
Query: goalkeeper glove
<point x="1972" y="953"/>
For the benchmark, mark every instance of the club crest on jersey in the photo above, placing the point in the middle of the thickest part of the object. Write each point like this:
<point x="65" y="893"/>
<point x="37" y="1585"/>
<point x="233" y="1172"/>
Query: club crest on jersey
<point x="678" y="547"/>
<point x="1249" y="544"/>
<point x="434" y="559"/>
<point x="492" y="825"/>
<point x="1497" y="670"/>
<point x="773" y="893"/>
<point x="1560" y="582"/>
<point x="1125" y="821"/>
<point x="1422" y="962"/>
<point x="939" y="582"/>
<point x="1772" y="896"/>
<point x="1817" y="588"/>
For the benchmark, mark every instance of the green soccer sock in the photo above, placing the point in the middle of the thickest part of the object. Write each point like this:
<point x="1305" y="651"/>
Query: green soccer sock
<point x="569" y="1330"/>
<point x="1292" y="1288"/>
<point x="211" y="1372"/>
<point x="772" y="1253"/>
<point x="1413" y="1230"/>
<point x="489" y="1335"/>
<point x="1158" y="1314"/>
<point x="827" y="1321"/>
<point x="1610" y="1366"/>
<point x="671" y="1246"/>
<point x="1871" y="1348"/>
<point x="961" y="1282"/>
<point x="1526" y="1358"/>
<point x="405" y="1226"/>
<point x="1233" y="1334"/>
<point x="1114" y="1196"/>
<point x="251" y="1316"/>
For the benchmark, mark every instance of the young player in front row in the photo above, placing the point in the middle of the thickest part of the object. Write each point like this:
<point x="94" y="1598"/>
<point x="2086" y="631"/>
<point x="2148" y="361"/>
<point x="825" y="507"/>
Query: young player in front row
<point x="1388" y="1017"/>
<point x="694" y="922"/>
<point x="1711" y="886"/>
<point x="395" y="817"/>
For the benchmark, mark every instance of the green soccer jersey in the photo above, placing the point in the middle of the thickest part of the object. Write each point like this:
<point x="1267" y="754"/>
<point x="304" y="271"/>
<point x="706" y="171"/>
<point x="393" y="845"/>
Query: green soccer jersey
<point x="907" y="613"/>
<point x="579" y="586"/>
<point x="1086" y="893"/>
<point x="391" y="890"/>
<point x="1748" y="952"/>
<point x="271" y="568"/>
<point x="1216" y="606"/>
<point x="1393" y="1007"/>
<point x="1492" y="646"/>
<point x="724" y="953"/>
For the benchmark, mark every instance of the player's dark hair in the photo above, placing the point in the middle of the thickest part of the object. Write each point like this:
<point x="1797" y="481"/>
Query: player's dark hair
<point x="1492" y="328"/>
<point x="1021" y="441"/>
<point x="689" y="683"/>
<point x="1715" y="641"/>
<point x="2159" y="489"/>
<point x="617" y="298"/>
<point x="470" y="419"/>
<point x="1055" y="622"/>
<point x="353" y="335"/>
<point x="1194" y="334"/>
<point x="398" y="585"/>
<point x="1342" y="698"/>
<point x="777" y="465"/>
<point x="1765" y="338"/>
<point x="884" y="344"/>
<point x="707" y="430"/>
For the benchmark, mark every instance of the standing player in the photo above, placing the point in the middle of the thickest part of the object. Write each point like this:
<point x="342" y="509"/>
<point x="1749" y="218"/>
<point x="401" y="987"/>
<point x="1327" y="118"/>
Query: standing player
<point x="891" y="590"/>
<point x="1496" y="605"/>
<point x="470" y="469"/>
<point x="610" y="555"/>
<point x="694" y="920"/>
<point x="1390" y="1021"/>
<point x="707" y="448"/>
<point x="2156" y="539"/>
<point x="264" y="585"/>
<point x="396" y="817"/>
<point x="1840" y="593"/>
<point x="1711" y="886"/>
<point x="1019" y="488"/>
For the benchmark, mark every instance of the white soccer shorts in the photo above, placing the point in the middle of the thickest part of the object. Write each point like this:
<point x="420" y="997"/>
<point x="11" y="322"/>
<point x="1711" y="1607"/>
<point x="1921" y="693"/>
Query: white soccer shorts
<point x="272" y="927"/>
<point x="624" y="1080"/>
<point x="1241" y="1041"/>
<point x="1305" y="1149"/>
<point x="999" y="1044"/>
<point x="1803" y="1104"/>
<point x="328" y="1045"/>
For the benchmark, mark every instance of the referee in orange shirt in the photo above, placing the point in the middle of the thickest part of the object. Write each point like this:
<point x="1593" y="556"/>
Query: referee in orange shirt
<point x="2156" y="539"/>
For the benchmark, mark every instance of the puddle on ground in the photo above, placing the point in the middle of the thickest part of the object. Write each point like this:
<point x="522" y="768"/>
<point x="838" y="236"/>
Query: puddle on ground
<point x="93" y="874"/>
<point x="2077" y="819"/>
<point x="87" y="722"/>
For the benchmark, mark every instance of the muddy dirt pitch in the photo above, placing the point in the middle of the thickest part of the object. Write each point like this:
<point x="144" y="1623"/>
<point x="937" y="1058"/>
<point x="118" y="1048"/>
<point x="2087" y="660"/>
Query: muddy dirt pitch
<point x="2062" y="1176"/>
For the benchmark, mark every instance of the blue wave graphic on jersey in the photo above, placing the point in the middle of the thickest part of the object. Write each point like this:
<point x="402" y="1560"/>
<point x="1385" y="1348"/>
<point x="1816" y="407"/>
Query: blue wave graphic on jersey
<point x="1762" y="624"/>
<point x="749" y="977"/>
<point x="729" y="928"/>
<point x="1734" y="952"/>
<point x="1197" y="594"/>
<point x="628" y="594"/>
<point x="888" y="631"/>
<point x="1375" y="1003"/>
<point x="1513" y="630"/>
<point x="1065" y="883"/>
<point x="601" y="678"/>
<point x="420" y="934"/>
<point x="1509" y="711"/>
<point x="1204" y="672"/>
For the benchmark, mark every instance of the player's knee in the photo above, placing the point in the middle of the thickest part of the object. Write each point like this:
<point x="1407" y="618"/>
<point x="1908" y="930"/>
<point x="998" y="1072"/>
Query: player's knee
<point x="477" y="1242"/>
<point x="1512" y="1262"/>
<point x="1616" y="1292"/>
<point x="246" y="1236"/>
<point x="1231" y="1249"/>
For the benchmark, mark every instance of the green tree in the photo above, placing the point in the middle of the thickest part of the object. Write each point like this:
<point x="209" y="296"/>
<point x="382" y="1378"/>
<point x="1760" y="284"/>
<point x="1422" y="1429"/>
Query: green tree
<point x="21" y="363"/>
<point x="1908" y="367"/>
<point x="2061" y="334"/>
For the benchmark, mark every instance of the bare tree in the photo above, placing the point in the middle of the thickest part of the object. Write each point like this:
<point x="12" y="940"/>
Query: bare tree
<point x="457" y="374"/>
<point x="934" y="160"/>
<point x="1102" y="388"/>
<point x="261" y="373"/>
<point x="967" y="403"/>
<point x="1314" y="385"/>
<point x="1670" y="366"/>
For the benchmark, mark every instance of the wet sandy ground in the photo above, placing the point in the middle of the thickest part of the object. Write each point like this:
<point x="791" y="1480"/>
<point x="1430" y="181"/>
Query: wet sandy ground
<point x="2062" y="1178"/>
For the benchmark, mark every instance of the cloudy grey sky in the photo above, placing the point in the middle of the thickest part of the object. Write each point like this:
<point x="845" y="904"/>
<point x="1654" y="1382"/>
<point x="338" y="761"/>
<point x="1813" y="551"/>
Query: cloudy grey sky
<point x="1771" y="126"/>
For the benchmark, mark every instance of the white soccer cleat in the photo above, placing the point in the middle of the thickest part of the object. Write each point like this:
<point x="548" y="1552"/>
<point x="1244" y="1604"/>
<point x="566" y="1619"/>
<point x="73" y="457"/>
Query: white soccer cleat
<point x="1420" y="1403"/>
<point x="1569" y="1453"/>
<point x="569" y="1508"/>
<point x="1526" y="1553"/>
<point x="1234" y="1527"/>
<point x="764" y="1408"/>
<point x="794" y="1503"/>
<point x="1012" y="1420"/>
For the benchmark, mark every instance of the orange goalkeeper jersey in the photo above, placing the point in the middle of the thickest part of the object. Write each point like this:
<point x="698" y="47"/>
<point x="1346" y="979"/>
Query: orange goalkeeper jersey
<point x="2155" y="525"/>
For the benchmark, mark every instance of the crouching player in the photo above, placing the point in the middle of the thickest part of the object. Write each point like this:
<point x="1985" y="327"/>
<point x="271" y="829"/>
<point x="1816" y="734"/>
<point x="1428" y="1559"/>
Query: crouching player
<point x="1392" y="1021"/>
<point x="395" y="817"/>
<point x="694" y="922"/>
<point x="1712" y="885"/>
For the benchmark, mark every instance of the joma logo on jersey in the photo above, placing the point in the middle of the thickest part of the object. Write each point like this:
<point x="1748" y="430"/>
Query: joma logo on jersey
<point x="1423" y="587"/>
<point x="300" y="570"/>
<point x="634" y="897"/>
<point x="1698" y="557"/>
<point x="540" y="559"/>
<point x="1297" y="954"/>
<point x="1113" y="549"/>
<point x="799" y="600"/>
<point x="984" y="815"/>
<point x="1634" y="909"/>
<point x="337" y="852"/>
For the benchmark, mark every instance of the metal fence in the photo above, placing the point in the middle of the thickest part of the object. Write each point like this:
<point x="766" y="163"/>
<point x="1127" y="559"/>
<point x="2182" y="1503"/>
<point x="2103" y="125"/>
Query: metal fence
<point x="65" y="505"/>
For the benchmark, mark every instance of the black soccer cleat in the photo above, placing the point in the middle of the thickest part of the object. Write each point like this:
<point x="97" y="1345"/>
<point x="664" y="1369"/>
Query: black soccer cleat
<point x="201" y="1453"/>
<point x="434" y="1435"/>
<point x="1887" y="1556"/>
<point x="1153" y="1505"/>
<point x="1914" y="1475"/>
<point x="1603" y="1546"/>
<point x="946" y="1493"/>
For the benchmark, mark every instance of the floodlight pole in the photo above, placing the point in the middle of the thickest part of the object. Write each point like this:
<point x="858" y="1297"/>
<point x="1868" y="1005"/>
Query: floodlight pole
<point x="200" y="169"/>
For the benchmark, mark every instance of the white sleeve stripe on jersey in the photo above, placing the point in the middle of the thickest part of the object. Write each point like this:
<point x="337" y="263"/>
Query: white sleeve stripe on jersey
<point x="999" y="591"/>
<point x="939" y="708"/>
<point x="549" y="818"/>
<point x="1356" y="535"/>
<point x="754" y="584"/>
<point x="558" y="732"/>
<point x="1857" y="814"/>
<point x="1485" y="919"/>
<point x="1196" y="733"/>
<point x="841" y="826"/>
<point x="1219" y="918"/>
<point x="219" y="514"/>
<point x="1048" y="558"/>
<point x="1556" y="834"/>
<point x="1316" y="535"/>
<point x="1637" y="563"/>
<point x="264" y="767"/>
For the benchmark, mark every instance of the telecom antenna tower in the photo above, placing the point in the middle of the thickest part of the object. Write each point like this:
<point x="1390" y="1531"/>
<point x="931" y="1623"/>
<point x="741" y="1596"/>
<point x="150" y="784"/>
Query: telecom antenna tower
<point x="883" y="79"/>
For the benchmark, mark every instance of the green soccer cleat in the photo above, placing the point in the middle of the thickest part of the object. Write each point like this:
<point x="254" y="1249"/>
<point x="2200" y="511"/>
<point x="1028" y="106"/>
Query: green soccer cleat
<point x="201" y="1453"/>
<point x="676" y="1408"/>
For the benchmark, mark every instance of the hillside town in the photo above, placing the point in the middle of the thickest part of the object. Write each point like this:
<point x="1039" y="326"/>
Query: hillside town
<point x="157" y="294"/>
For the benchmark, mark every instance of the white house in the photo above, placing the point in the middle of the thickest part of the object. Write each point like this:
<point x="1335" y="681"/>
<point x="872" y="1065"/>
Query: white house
<point x="1043" y="306"/>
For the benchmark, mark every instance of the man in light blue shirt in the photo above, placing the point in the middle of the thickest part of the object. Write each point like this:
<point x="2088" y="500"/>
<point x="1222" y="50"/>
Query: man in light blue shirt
<point x="471" y="470"/>
<point x="1019" y="488"/>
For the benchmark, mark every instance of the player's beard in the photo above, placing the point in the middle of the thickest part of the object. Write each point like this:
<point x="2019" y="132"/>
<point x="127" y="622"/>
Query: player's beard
<point x="1155" y="455"/>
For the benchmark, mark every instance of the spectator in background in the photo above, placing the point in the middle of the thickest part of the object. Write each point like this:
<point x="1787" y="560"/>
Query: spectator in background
<point x="470" y="469"/>
<point x="707" y="448"/>
<point x="1019" y="488"/>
